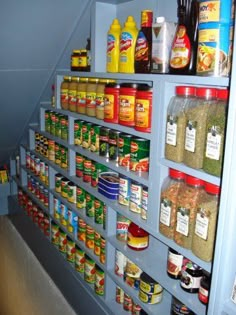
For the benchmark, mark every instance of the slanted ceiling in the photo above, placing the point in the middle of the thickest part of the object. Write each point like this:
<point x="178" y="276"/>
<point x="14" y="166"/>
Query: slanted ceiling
<point x="36" y="38"/>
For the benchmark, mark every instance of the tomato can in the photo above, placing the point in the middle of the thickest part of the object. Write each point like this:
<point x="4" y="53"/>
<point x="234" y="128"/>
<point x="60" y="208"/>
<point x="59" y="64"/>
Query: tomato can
<point x="99" y="281"/>
<point x="139" y="155"/>
<point x="79" y="165"/>
<point x="54" y="234"/>
<point x="70" y="250"/>
<point x="79" y="259"/>
<point x="111" y="103"/>
<point x="124" y="149"/>
<point x="89" y="270"/>
<point x="81" y="230"/>
<point x="127" y="104"/>
<point x="80" y="198"/>
<point x="143" y="108"/>
<point x="135" y="202"/>
<point x="97" y="243"/>
<point x="56" y="208"/>
<point x="124" y="190"/>
<point x="89" y="242"/>
<point x="62" y="242"/>
<point x="122" y="224"/>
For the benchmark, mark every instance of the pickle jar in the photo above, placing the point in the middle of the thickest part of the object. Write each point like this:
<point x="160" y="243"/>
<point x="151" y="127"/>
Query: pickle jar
<point x="205" y="223"/>
<point x="215" y="134"/>
<point x="188" y="197"/>
<point x="169" y="193"/>
<point x="64" y="93"/>
<point x="195" y="133"/>
<point x="176" y="122"/>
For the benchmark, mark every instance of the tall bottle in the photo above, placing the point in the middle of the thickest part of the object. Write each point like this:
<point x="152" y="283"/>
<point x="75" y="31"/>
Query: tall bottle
<point x="113" y="46"/>
<point x="143" y="47"/>
<point x="184" y="46"/>
<point x="128" y="39"/>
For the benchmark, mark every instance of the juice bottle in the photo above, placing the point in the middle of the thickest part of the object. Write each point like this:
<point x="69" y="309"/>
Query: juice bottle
<point x="127" y="46"/>
<point x="113" y="46"/>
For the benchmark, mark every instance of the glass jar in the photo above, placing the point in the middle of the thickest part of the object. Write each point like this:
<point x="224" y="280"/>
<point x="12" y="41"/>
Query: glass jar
<point x="195" y="134"/>
<point x="174" y="264"/>
<point x="205" y="283"/>
<point x="100" y="98"/>
<point x="64" y="92"/>
<point x="74" y="65"/>
<point x="191" y="276"/>
<point x="187" y="201"/>
<point x="72" y="94"/>
<point x="205" y="223"/>
<point x="169" y="194"/>
<point x="137" y="238"/>
<point x="91" y="97"/>
<point x="81" y="95"/>
<point x="215" y="134"/>
<point x="176" y="122"/>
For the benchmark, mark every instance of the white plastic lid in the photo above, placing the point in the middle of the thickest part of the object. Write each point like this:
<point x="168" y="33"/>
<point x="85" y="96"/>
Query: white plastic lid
<point x="160" y="19"/>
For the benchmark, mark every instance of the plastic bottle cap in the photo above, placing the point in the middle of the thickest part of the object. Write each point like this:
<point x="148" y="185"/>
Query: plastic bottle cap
<point x="130" y="22"/>
<point x="191" y="180"/>
<point x="212" y="189"/>
<point x="206" y="92"/>
<point x="116" y="24"/>
<point x="185" y="90"/>
<point x="160" y="19"/>
<point x="222" y="94"/>
<point x="176" y="174"/>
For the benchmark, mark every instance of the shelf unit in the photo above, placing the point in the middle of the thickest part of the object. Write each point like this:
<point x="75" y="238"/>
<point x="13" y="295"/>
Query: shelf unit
<point x="153" y="259"/>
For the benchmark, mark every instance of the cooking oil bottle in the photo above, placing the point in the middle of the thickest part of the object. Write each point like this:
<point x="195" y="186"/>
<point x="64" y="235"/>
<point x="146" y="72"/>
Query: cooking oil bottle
<point x="113" y="46"/>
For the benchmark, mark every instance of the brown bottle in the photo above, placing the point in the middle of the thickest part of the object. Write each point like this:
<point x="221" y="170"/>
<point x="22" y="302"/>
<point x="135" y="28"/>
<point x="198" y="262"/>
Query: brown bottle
<point x="143" y="49"/>
<point x="184" y="47"/>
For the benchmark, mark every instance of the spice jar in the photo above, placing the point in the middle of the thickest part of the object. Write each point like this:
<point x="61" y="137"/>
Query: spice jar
<point x="64" y="90"/>
<point x="111" y="102"/>
<point x="127" y="104"/>
<point x="176" y="122"/>
<point x="191" y="276"/>
<point x="168" y="206"/>
<point x="137" y="238"/>
<point x="187" y="201"/>
<point x="195" y="135"/>
<point x="205" y="223"/>
<point x="74" y="65"/>
<point x="81" y="95"/>
<point x="203" y="293"/>
<point x="72" y="94"/>
<point x="215" y="134"/>
<point x="91" y="97"/>
<point x="84" y="60"/>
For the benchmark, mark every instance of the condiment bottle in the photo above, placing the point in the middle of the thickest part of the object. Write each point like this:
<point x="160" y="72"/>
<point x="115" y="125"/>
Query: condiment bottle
<point x="84" y="64"/>
<point x="205" y="283"/>
<point x="127" y="104"/>
<point x="137" y="238"/>
<point x="128" y="39"/>
<point x="176" y="122"/>
<point x="74" y="65"/>
<point x="113" y="46"/>
<point x="174" y="264"/>
<point x="205" y="223"/>
<point x="72" y="94"/>
<point x="191" y="276"/>
<point x="64" y="89"/>
<point x="143" y="48"/>
<point x="215" y="134"/>
<point x="100" y="93"/>
<point x="187" y="201"/>
<point x="111" y="102"/>
<point x="81" y="95"/>
<point x="143" y="108"/>
<point x="168" y="207"/>
<point x="195" y="134"/>
<point x="91" y="97"/>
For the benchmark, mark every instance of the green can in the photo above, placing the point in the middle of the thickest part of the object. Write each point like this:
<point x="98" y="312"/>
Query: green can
<point x="53" y="123"/>
<point x="95" y="134"/>
<point x="80" y="198"/>
<point x="89" y="270"/>
<point x="57" y="153"/>
<point x="79" y="259"/>
<point x="58" y="125"/>
<point x="70" y="250"/>
<point x="79" y="165"/>
<point x="55" y="234"/>
<point x="104" y="142"/>
<point x="58" y="178"/>
<point x="64" y="157"/>
<point x="90" y="211"/>
<point x="96" y="169"/>
<point x="139" y="155"/>
<point x="99" y="281"/>
<point x="98" y="208"/>
<point x="124" y="149"/>
<point x="78" y="131"/>
<point x="47" y="119"/>
<point x="64" y="128"/>
<point x="86" y="137"/>
<point x="113" y="145"/>
<point x="62" y="242"/>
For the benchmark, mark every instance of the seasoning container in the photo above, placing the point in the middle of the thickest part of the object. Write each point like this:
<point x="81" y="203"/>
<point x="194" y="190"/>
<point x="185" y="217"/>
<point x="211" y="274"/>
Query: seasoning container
<point x="168" y="206"/>
<point x="122" y="224"/>
<point x="127" y="104"/>
<point x="100" y="94"/>
<point x="137" y="238"/>
<point x="195" y="135"/>
<point x="215" y="134"/>
<point x="187" y="201"/>
<point x="191" y="276"/>
<point x="203" y="293"/>
<point x="135" y="201"/>
<point x="113" y="145"/>
<point x="72" y="94"/>
<point x="143" y="108"/>
<point x="91" y="97"/>
<point x="205" y="223"/>
<point x="64" y="92"/>
<point x="176" y="122"/>
<point x="174" y="264"/>
<point x="124" y="149"/>
<point x="113" y="46"/>
<point x="178" y="308"/>
<point x="81" y="95"/>
<point x="74" y="63"/>
<point x="139" y="155"/>
<point x="111" y="102"/>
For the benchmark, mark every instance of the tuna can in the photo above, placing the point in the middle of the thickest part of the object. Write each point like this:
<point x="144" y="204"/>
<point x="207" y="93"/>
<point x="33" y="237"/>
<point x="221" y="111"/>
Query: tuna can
<point x="120" y="263"/>
<point x="64" y="187"/>
<point x="135" y="202"/>
<point x="150" y="298"/>
<point x="58" y="179"/>
<point x="124" y="190"/>
<point x="139" y="155"/>
<point x="119" y="295"/>
<point x="86" y="137"/>
<point x="90" y="211"/>
<point x="94" y="134"/>
<point x="113" y="145"/>
<point x="98" y="209"/>
<point x="122" y="225"/>
<point x="79" y="165"/>
<point x="71" y="192"/>
<point x="89" y="270"/>
<point x="87" y="170"/>
<point x="124" y="149"/>
<point x="70" y="250"/>
<point x="128" y="303"/>
<point x="215" y="11"/>
<point x="56" y="208"/>
<point x="64" y="157"/>
<point x="149" y="285"/>
<point x="64" y="214"/>
<point x="80" y="198"/>
<point x="144" y="203"/>
<point x="58" y="154"/>
<point x="99" y="281"/>
<point x="55" y="234"/>
<point x="213" y="48"/>
<point x="62" y="242"/>
<point x="81" y="230"/>
<point x="79" y="259"/>
<point x="89" y="242"/>
<point x="111" y="103"/>
<point x="97" y="243"/>
<point x="143" y="108"/>
<point x="104" y="142"/>
<point x="127" y="104"/>
<point x="72" y="223"/>
<point x="78" y="132"/>
<point x="103" y="251"/>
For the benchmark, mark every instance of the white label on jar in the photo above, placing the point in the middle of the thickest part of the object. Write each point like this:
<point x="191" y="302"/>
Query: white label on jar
<point x="213" y="146"/>
<point x="165" y="212"/>
<point x="190" y="137"/>
<point x="175" y="262"/>
<point x="201" y="228"/>
<point x="171" y="133"/>
<point x="182" y="223"/>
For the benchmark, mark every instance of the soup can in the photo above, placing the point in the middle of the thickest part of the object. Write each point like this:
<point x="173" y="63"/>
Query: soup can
<point x="135" y="202"/>
<point x="139" y="155"/>
<point x="80" y="198"/>
<point x="56" y="208"/>
<point x="124" y="190"/>
<point x="81" y="230"/>
<point x="97" y="243"/>
<point x="89" y="270"/>
<point x="54" y="234"/>
<point x="79" y="259"/>
<point x="70" y="250"/>
<point x="124" y="144"/>
<point x="99" y="281"/>
<point x="64" y="214"/>
<point x="72" y="222"/>
<point x="62" y="242"/>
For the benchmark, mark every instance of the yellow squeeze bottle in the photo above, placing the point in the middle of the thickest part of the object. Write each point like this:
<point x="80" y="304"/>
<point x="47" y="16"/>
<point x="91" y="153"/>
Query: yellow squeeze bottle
<point x="128" y="39"/>
<point x="113" y="46"/>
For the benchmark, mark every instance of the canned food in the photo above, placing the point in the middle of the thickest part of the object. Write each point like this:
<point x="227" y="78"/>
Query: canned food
<point x="120" y="263"/>
<point x="124" y="190"/>
<point x="95" y="133"/>
<point x="139" y="155"/>
<point x="71" y="192"/>
<point x="64" y="187"/>
<point x="96" y="169"/>
<point x="90" y="211"/>
<point x="104" y="216"/>
<point x="46" y="197"/>
<point x="132" y="274"/>
<point x="104" y="142"/>
<point x="79" y="165"/>
<point x="149" y="285"/>
<point x="54" y="234"/>
<point x="78" y="132"/>
<point x="80" y="198"/>
<point x="64" y="157"/>
<point x="37" y="166"/>
<point x="58" y="154"/>
<point x="89" y="270"/>
<point x="46" y="174"/>
<point x="122" y="224"/>
<point x="70" y="250"/>
<point x="99" y="281"/>
<point x="79" y="259"/>
<point x="144" y="203"/>
<point x="81" y="230"/>
<point x="86" y="137"/>
<point x="135" y="203"/>
<point x="64" y="214"/>
<point x="150" y="298"/>
<point x="53" y="123"/>
<point x="56" y="208"/>
<point x="28" y="159"/>
<point x="97" y="243"/>
<point x="89" y="242"/>
<point x="64" y="127"/>
<point x="87" y="170"/>
<point x="128" y="303"/>
<point x="72" y="222"/>
<point x="124" y="150"/>
<point x="119" y="295"/>
<point x="103" y="251"/>
<point x="98" y="209"/>
<point x="58" y="179"/>
<point x="42" y="171"/>
<point x="51" y="150"/>
<point x="62" y="242"/>
<point x="113" y="145"/>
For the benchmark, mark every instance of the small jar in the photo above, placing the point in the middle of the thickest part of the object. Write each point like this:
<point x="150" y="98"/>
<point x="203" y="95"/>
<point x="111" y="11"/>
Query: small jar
<point x="84" y="62"/>
<point x="72" y="94"/>
<point x="64" y="93"/>
<point x="174" y="264"/>
<point x="74" y="65"/>
<point x="81" y="95"/>
<point x="203" y="293"/>
<point x="191" y="276"/>
<point x="137" y="238"/>
<point x="91" y="97"/>
<point x="100" y="94"/>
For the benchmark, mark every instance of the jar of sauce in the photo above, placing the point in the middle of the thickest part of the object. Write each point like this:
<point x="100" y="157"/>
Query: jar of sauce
<point x="74" y="66"/>
<point x="91" y="97"/>
<point x="174" y="264"/>
<point x="203" y="293"/>
<point x="72" y="94"/>
<point x="64" y="92"/>
<point x="100" y="94"/>
<point x="137" y="239"/>
<point x="81" y="95"/>
<point x="191" y="276"/>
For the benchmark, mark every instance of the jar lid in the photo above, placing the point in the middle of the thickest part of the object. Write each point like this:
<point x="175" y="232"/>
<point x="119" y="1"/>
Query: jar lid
<point x="76" y="51"/>
<point x="222" y="94"/>
<point x="93" y="80"/>
<point x="206" y="92"/>
<point x="83" y="80"/>
<point x="185" y="90"/>
<point x="75" y="79"/>
<point x="144" y="87"/>
<point x="113" y="85"/>
<point x="212" y="189"/>
<point x="191" y="180"/>
<point x="176" y="174"/>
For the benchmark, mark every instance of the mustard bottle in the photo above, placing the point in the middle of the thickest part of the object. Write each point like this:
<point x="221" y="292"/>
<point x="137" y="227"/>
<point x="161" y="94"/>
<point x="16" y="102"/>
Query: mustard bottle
<point x="113" y="46"/>
<point x="127" y="46"/>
